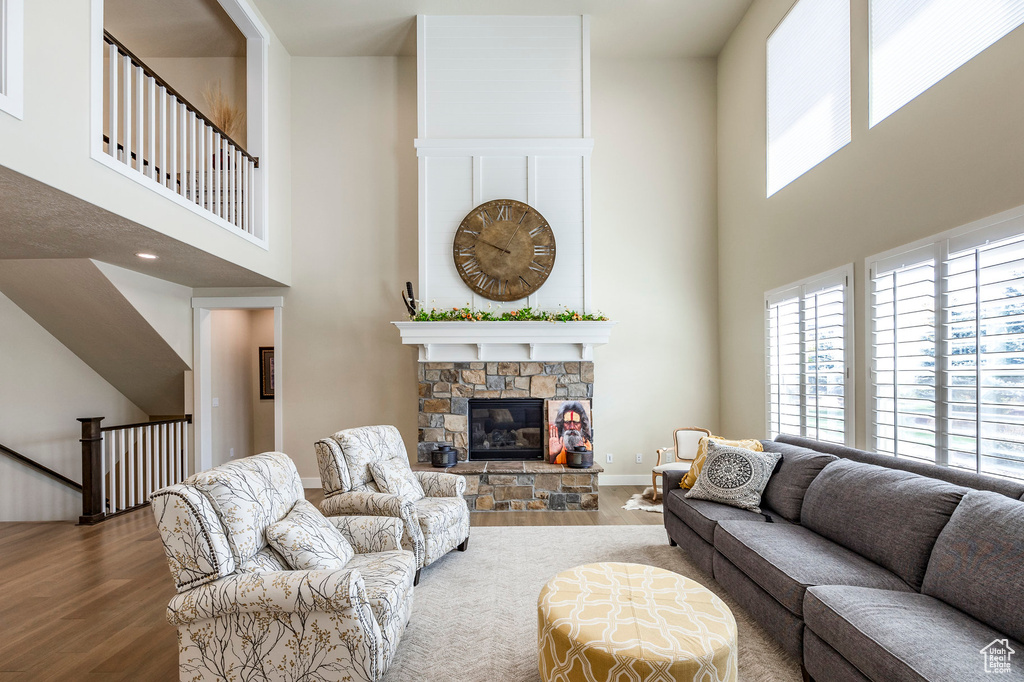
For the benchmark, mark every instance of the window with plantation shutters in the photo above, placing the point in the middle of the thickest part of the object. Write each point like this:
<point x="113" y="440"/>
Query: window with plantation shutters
<point x="947" y="346"/>
<point x="903" y="368"/>
<point x="808" y="332"/>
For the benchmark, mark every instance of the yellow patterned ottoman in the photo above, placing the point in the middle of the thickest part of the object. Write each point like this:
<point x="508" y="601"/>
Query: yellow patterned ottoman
<point x="614" y="622"/>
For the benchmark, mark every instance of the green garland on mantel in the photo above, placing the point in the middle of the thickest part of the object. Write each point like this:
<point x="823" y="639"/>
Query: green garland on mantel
<point x="527" y="314"/>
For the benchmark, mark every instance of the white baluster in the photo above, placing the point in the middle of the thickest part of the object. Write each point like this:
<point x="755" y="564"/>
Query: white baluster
<point x="104" y="450"/>
<point x="194" y="175"/>
<point x="112" y="96"/>
<point x="140" y="118"/>
<point x="126" y="111"/>
<point x="251" y="201"/>
<point x="162" y="178"/>
<point x="172" y="144"/>
<point x="151" y="127"/>
<point x="201" y="167"/>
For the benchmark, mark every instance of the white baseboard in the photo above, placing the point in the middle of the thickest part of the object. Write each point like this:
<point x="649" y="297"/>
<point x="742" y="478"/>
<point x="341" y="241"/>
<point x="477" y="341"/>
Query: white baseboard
<point x="623" y="479"/>
<point x="312" y="483"/>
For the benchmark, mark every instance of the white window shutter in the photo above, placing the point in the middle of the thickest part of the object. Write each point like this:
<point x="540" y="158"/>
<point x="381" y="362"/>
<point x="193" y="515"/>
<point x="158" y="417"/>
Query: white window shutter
<point x="917" y="43"/>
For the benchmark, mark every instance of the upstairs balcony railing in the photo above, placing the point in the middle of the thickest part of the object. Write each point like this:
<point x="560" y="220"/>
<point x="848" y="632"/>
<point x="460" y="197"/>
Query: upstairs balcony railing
<point x="152" y="129"/>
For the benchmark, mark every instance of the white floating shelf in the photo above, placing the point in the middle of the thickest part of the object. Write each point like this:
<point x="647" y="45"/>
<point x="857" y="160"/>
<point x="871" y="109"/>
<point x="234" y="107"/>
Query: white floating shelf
<point x="504" y="341"/>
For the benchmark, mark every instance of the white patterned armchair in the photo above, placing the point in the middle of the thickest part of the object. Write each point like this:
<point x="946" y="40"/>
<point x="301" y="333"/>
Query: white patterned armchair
<point x="433" y="524"/>
<point x="242" y="613"/>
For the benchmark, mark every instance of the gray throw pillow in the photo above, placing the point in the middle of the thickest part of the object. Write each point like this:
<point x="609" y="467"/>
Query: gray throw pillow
<point x="734" y="476"/>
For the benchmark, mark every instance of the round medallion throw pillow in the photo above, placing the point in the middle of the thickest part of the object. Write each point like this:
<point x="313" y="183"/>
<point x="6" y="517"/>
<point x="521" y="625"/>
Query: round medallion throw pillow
<point x="734" y="476"/>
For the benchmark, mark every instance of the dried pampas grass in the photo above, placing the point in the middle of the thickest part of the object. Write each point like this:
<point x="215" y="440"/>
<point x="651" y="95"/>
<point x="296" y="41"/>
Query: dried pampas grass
<point x="221" y="111"/>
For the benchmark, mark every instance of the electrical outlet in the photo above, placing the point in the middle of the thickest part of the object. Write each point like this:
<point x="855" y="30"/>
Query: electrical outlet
<point x="608" y="458"/>
<point x="639" y="458"/>
<point x="232" y="453"/>
<point x="216" y="402"/>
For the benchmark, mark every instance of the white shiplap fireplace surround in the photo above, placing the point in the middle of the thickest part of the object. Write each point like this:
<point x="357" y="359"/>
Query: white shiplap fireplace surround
<point x="504" y="113"/>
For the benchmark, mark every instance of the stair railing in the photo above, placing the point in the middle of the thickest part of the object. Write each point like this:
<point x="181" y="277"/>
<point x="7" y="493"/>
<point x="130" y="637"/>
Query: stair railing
<point x="123" y="465"/>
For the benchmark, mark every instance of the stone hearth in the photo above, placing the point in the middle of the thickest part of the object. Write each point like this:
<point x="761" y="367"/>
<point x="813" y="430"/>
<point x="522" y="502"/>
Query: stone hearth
<point x="446" y="387"/>
<point x="525" y="486"/>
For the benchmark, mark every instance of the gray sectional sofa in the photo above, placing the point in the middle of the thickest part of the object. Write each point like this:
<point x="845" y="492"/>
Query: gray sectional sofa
<point x="868" y="567"/>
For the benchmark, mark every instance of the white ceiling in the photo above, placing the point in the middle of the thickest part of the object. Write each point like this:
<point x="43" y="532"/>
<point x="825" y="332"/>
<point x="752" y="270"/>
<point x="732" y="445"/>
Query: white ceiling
<point x="619" y="28"/>
<point x="173" y="28"/>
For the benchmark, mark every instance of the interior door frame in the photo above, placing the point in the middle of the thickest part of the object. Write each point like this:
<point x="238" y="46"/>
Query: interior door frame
<point x="202" y="330"/>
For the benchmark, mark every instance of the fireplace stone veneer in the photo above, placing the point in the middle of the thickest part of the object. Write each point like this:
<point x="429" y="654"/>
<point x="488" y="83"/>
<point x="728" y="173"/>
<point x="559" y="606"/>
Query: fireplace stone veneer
<point x="444" y="392"/>
<point x="446" y="387"/>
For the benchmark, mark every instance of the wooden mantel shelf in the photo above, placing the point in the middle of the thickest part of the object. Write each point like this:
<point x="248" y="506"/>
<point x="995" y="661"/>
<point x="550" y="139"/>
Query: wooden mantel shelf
<point x="505" y="341"/>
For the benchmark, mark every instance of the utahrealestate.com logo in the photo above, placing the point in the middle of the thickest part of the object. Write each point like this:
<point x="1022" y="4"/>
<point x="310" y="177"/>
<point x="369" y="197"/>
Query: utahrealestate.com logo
<point x="997" y="656"/>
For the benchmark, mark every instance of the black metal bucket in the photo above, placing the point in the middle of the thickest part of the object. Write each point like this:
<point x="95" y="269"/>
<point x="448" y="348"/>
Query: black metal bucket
<point x="579" y="459"/>
<point x="444" y="456"/>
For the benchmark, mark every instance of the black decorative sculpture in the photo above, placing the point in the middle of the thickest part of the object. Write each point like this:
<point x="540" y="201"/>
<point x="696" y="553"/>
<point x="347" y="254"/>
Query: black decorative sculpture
<point x="409" y="299"/>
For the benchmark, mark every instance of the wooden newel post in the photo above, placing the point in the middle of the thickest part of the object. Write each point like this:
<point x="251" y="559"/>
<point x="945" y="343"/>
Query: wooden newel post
<point x="93" y="504"/>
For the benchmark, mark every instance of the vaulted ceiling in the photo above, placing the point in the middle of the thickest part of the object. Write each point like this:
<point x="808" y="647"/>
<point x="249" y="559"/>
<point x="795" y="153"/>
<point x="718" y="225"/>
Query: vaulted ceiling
<point x="620" y="28"/>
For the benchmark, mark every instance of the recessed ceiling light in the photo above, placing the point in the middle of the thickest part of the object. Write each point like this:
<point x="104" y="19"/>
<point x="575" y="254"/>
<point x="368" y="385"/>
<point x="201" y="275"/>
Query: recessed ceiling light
<point x="147" y="256"/>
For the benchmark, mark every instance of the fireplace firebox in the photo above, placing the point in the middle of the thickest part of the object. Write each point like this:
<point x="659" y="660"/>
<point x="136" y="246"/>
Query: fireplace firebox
<point x="506" y="429"/>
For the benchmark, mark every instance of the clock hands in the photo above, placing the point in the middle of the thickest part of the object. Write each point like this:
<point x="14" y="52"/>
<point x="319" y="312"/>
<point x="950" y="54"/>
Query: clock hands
<point x="493" y="245"/>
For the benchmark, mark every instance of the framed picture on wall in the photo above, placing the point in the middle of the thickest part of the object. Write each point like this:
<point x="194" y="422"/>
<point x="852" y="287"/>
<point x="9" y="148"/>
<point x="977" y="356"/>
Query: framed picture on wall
<point x="266" y="372"/>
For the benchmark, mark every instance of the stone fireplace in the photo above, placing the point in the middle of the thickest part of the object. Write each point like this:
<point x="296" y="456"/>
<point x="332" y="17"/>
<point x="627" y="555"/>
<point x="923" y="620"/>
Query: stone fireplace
<point x="525" y="481"/>
<point x="446" y="388"/>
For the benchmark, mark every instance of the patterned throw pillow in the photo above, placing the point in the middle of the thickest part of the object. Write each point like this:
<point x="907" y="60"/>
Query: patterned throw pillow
<point x="734" y="476"/>
<point x="396" y="478"/>
<point x="702" y="448"/>
<point x="308" y="541"/>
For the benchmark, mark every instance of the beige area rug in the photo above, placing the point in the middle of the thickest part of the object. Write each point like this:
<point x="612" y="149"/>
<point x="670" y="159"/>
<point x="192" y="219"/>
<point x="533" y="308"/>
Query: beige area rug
<point x="474" y="614"/>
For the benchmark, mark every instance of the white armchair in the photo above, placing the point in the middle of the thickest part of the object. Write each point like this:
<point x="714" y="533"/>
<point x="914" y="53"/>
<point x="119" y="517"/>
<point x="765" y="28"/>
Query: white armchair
<point x="241" y="613"/>
<point x="432" y="526"/>
<point x="680" y="456"/>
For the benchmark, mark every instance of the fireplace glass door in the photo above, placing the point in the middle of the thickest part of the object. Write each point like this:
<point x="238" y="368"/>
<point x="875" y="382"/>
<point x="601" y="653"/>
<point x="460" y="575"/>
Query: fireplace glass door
<point x="506" y="428"/>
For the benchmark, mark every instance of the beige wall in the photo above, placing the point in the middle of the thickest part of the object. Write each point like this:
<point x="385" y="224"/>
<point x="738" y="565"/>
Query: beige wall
<point x="261" y="333"/>
<point x="953" y="155"/>
<point x="232" y="384"/>
<point x="44" y="388"/>
<point x="354" y="205"/>
<point x="654" y="254"/>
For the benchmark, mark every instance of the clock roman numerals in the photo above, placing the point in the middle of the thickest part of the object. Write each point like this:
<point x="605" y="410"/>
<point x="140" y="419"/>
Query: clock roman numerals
<point x="504" y="250"/>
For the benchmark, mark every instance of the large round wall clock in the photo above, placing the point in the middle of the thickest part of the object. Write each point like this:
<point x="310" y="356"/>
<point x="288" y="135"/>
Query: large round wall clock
<point x="504" y="250"/>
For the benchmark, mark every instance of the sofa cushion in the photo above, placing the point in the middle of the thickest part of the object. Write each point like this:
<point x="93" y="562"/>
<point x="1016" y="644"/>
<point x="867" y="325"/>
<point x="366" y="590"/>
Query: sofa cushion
<point x="978" y="562"/>
<point x="366" y="444"/>
<point x="734" y="476"/>
<point x="899" y="636"/>
<point x="788" y="485"/>
<point x="307" y="541"/>
<point x="702" y="515"/>
<point x="248" y="495"/>
<point x="785" y="559"/>
<point x="388" y="577"/>
<point x="891" y="517"/>
<point x="967" y="479"/>
<point x="394" y="476"/>
<point x="702" y="449"/>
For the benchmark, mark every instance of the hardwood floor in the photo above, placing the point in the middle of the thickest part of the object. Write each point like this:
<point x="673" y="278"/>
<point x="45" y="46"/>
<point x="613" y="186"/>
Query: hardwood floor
<point x="87" y="603"/>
